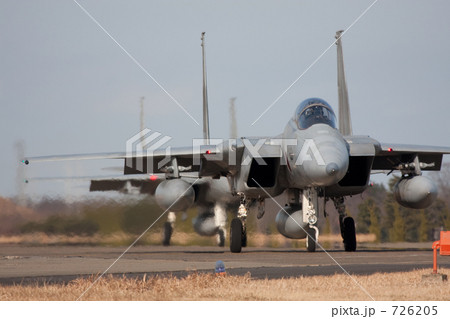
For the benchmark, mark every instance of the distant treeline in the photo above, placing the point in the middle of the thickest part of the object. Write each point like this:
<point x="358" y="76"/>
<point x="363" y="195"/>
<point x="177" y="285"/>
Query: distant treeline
<point x="91" y="217"/>
<point x="380" y="214"/>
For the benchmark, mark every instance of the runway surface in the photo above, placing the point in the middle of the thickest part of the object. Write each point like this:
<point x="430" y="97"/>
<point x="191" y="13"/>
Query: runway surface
<point x="22" y="264"/>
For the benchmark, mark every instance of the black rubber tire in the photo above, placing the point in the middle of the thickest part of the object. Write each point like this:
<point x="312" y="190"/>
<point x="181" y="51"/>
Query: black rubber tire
<point x="221" y="234"/>
<point x="310" y="240"/>
<point x="244" y="238"/>
<point x="236" y="236"/>
<point x="349" y="232"/>
<point x="341" y="226"/>
<point x="167" y="233"/>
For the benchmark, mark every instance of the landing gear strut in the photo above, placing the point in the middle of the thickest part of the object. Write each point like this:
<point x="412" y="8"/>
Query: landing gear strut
<point x="220" y="216"/>
<point x="347" y="225"/>
<point x="310" y="208"/>
<point x="220" y="237"/>
<point x="238" y="230"/>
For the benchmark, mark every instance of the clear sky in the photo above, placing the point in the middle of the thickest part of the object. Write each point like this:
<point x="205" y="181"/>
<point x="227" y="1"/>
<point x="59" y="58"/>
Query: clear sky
<point x="66" y="87"/>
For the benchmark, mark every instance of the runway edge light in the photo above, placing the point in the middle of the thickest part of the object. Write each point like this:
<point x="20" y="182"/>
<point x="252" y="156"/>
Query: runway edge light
<point x="445" y="243"/>
<point x="220" y="268"/>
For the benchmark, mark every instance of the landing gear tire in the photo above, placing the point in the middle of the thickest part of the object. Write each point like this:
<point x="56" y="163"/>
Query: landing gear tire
<point x="236" y="238"/>
<point x="349" y="234"/>
<point x="167" y="233"/>
<point x="221" y="235"/>
<point x="244" y="238"/>
<point x="311" y="240"/>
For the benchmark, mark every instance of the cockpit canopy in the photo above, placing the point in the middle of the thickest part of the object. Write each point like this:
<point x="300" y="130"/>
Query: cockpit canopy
<point x="314" y="111"/>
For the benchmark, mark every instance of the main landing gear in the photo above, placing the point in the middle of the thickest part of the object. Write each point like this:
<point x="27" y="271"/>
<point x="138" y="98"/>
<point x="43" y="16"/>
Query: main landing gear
<point x="238" y="230"/>
<point x="347" y="225"/>
<point x="168" y="228"/>
<point x="220" y="217"/>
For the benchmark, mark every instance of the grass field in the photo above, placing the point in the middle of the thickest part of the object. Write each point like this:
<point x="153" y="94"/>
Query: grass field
<point x="381" y="286"/>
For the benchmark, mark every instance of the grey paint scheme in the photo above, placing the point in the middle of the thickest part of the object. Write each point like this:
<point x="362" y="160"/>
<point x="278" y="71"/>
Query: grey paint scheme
<point x="175" y="195"/>
<point x="331" y="146"/>
<point x="416" y="192"/>
<point x="345" y="169"/>
<point x="287" y="222"/>
<point x="342" y="154"/>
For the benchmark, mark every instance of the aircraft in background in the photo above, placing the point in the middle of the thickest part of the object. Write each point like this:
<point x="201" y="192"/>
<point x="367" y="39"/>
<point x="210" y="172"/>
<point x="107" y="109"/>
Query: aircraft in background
<point x="313" y="161"/>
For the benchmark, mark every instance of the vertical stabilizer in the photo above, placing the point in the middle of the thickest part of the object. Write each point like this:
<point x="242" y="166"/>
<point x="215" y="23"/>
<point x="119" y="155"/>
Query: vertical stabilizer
<point x="345" y="122"/>
<point x="205" y="95"/>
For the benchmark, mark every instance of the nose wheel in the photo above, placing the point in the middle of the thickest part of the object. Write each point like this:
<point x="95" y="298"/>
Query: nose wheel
<point x="312" y="237"/>
<point x="310" y="240"/>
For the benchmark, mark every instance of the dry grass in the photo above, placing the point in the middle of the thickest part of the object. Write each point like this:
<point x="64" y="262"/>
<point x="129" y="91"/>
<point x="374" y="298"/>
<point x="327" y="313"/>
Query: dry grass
<point x="397" y="286"/>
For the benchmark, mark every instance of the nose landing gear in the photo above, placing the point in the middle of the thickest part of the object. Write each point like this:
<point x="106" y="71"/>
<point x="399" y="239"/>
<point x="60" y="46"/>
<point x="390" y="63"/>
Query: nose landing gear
<point x="312" y="237"/>
<point x="310" y="208"/>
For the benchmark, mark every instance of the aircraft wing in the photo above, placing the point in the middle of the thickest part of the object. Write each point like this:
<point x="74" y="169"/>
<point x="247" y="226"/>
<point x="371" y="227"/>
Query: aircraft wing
<point x="393" y="156"/>
<point x="213" y="160"/>
<point x="143" y="183"/>
<point x="388" y="157"/>
<point x="187" y="159"/>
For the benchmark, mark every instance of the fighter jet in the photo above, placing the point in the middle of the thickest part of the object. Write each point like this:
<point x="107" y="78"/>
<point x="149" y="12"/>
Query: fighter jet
<point x="313" y="160"/>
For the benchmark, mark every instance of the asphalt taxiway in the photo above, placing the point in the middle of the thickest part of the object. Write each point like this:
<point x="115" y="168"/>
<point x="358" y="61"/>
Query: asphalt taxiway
<point x="28" y="264"/>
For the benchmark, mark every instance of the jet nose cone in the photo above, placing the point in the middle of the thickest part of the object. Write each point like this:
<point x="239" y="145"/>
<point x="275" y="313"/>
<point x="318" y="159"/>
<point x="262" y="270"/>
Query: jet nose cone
<point x="328" y="174"/>
<point x="332" y="169"/>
